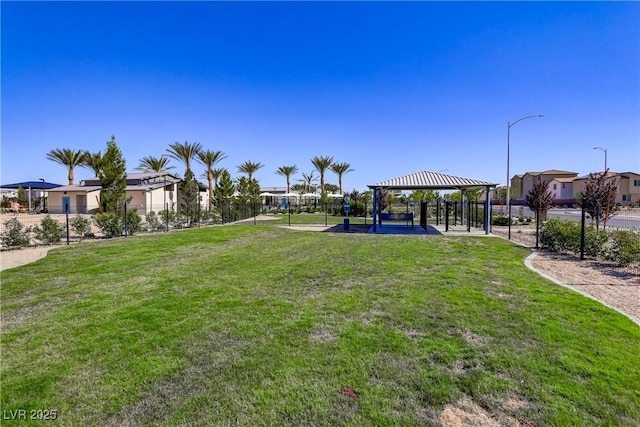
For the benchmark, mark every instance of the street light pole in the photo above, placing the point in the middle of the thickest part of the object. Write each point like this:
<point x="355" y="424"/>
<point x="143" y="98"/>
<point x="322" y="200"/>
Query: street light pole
<point x="509" y="124"/>
<point x="605" y="156"/>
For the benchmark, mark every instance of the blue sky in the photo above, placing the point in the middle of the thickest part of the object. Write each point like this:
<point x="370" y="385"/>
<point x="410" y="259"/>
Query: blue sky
<point x="392" y="88"/>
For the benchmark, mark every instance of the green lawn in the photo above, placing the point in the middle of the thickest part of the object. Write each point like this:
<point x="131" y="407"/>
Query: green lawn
<point x="244" y="325"/>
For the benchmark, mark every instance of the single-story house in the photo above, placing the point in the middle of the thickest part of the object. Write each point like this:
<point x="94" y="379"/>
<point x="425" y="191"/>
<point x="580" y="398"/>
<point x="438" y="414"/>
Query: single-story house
<point x="149" y="191"/>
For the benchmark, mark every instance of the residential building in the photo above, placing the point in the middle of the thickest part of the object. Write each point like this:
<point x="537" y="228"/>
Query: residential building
<point x="521" y="185"/>
<point x="628" y="184"/>
<point x="146" y="192"/>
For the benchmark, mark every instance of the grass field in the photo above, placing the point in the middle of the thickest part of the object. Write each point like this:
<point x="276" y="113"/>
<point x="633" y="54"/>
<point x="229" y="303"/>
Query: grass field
<point x="244" y="325"/>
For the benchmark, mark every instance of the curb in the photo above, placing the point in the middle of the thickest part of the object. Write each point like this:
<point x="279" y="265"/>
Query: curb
<point x="528" y="263"/>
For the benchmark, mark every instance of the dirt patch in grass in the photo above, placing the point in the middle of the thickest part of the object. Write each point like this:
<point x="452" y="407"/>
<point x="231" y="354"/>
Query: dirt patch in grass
<point x="469" y="336"/>
<point x="465" y="412"/>
<point x="207" y="358"/>
<point x="322" y="334"/>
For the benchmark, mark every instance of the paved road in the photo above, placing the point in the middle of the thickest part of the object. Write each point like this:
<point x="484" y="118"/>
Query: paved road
<point x="621" y="221"/>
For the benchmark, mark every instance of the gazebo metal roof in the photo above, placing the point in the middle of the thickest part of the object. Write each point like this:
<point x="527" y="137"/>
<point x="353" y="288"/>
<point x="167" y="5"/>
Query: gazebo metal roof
<point x="36" y="185"/>
<point x="426" y="180"/>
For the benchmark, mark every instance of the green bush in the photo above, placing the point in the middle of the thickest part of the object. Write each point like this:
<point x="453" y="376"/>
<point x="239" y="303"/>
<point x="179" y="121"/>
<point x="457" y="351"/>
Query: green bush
<point x="50" y="231"/>
<point x="153" y="222"/>
<point x="595" y="241"/>
<point x="110" y="224"/>
<point x="134" y="222"/>
<point x="167" y="217"/>
<point x="80" y="225"/>
<point x="14" y="235"/>
<point x="624" y="247"/>
<point x="500" y="220"/>
<point x="560" y="235"/>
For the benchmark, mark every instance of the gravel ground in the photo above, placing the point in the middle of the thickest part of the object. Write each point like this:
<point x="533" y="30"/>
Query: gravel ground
<point x="614" y="286"/>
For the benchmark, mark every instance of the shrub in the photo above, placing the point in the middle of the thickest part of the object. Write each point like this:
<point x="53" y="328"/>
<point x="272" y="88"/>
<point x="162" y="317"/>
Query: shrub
<point x="80" y="225"/>
<point x="110" y="224"/>
<point x="594" y="241"/>
<point x="14" y="235"/>
<point x="50" y="231"/>
<point x="134" y="222"/>
<point x="500" y="220"/>
<point x="624" y="247"/>
<point x="153" y="222"/>
<point x="167" y="217"/>
<point x="560" y="235"/>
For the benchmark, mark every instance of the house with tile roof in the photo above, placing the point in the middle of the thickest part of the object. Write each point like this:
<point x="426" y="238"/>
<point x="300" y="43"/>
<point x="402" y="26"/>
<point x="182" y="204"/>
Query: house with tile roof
<point x="522" y="184"/>
<point x="628" y="184"/>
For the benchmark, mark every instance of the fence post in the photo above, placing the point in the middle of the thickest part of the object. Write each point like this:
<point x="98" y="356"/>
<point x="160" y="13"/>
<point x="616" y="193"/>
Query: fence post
<point x="66" y="211"/>
<point x="537" y="227"/>
<point x="583" y="217"/>
<point x="166" y="211"/>
<point x="446" y="216"/>
<point x="126" y="222"/>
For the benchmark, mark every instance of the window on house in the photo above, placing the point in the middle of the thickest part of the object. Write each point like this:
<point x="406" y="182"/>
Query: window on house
<point x="555" y="186"/>
<point x="564" y="185"/>
<point x="636" y="182"/>
<point x="626" y="197"/>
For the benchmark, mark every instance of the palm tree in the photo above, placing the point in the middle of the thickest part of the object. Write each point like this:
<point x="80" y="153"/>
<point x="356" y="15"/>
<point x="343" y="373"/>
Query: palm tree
<point x="321" y="164"/>
<point x="93" y="161"/>
<point x="307" y="180"/>
<point x="287" y="171"/>
<point x="69" y="158"/>
<point x="184" y="153"/>
<point x="250" y="168"/>
<point x="154" y="164"/>
<point x="340" y="169"/>
<point x="209" y="159"/>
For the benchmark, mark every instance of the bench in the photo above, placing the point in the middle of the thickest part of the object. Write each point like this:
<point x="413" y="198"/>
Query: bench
<point x="396" y="217"/>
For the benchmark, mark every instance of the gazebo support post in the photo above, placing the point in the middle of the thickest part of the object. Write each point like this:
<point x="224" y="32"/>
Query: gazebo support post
<point x="487" y="210"/>
<point x="375" y="209"/>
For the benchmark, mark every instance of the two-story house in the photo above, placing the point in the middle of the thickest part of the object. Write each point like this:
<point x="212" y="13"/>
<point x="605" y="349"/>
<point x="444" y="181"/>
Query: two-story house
<point x="522" y="184"/>
<point x="628" y="183"/>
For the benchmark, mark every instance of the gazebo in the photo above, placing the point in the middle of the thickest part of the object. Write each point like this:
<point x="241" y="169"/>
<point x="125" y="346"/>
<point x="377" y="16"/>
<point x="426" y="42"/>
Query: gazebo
<point x="426" y="180"/>
<point x="41" y="185"/>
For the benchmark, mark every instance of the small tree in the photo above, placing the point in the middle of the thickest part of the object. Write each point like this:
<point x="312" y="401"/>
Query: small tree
<point x="113" y="177"/>
<point x="22" y="196"/>
<point x="224" y="191"/>
<point x="189" y="193"/>
<point x="599" y="197"/>
<point x="539" y="198"/>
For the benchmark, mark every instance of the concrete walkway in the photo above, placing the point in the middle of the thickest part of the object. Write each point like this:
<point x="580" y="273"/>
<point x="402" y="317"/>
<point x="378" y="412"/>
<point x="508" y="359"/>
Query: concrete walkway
<point x="17" y="257"/>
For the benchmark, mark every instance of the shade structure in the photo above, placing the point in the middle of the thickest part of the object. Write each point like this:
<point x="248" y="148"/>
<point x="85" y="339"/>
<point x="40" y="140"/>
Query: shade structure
<point x="335" y="196"/>
<point x="296" y="195"/>
<point x="314" y="195"/>
<point x="267" y="194"/>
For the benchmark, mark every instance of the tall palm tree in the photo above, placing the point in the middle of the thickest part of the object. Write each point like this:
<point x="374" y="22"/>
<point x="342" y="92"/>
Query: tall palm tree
<point x="69" y="158"/>
<point x="250" y="168"/>
<point x="209" y="159"/>
<point x="93" y="161"/>
<point x="340" y="169"/>
<point x="321" y="164"/>
<point x="287" y="171"/>
<point x="184" y="153"/>
<point x="307" y="179"/>
<point x="154" y="164"/>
